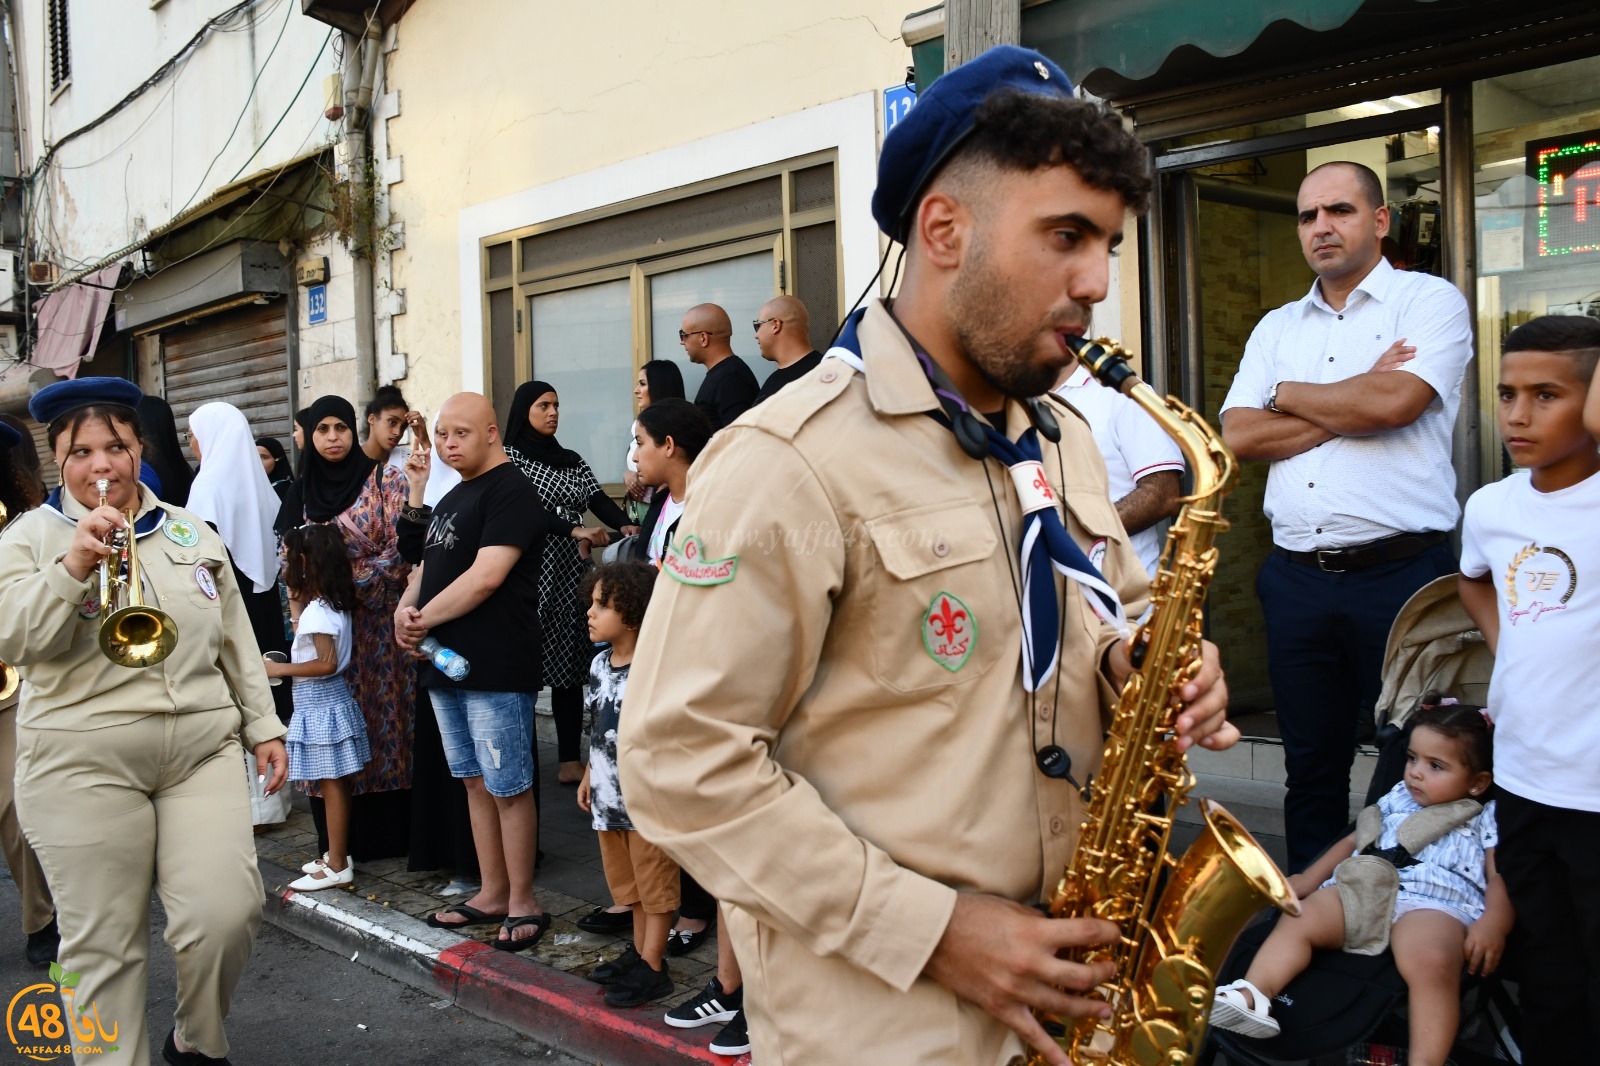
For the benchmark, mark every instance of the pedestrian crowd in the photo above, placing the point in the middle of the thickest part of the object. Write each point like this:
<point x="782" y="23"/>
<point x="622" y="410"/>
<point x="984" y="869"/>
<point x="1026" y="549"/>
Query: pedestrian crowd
<point x="805" y="750"/>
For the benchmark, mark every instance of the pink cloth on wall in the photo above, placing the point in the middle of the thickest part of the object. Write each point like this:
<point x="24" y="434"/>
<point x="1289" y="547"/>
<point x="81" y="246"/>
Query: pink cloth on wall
<point x="70" y="321"/>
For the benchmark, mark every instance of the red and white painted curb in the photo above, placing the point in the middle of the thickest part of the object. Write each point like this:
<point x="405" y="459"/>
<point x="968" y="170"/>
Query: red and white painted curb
<point x="549" y="1005"/>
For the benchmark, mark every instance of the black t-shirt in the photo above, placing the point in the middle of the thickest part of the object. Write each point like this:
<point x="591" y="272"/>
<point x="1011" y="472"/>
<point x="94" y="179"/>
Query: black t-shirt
<point x="728" y="391"/>
<point x="500" y="637"/>
<point x="785" y="374"/>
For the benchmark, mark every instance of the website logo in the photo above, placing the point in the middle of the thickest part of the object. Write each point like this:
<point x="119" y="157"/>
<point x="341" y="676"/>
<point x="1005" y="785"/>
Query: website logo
<point x="44" y="1022"/>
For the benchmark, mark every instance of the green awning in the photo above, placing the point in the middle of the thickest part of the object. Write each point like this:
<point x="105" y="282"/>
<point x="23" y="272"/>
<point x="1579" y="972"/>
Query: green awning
<point x="1134" y="37"/>
<point x="1131" y="39"/>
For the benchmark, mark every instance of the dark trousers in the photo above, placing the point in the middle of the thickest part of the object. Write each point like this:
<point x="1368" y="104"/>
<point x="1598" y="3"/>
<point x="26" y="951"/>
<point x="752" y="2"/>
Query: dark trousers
<point x="694" y="902"/>
<point x="566" y="707"/>
<point x="1549" y="858"/>
<point x="1325" y="639"/>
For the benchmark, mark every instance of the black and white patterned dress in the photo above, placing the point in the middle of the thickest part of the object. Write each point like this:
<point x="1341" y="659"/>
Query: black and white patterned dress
<point x="564" y="629"/>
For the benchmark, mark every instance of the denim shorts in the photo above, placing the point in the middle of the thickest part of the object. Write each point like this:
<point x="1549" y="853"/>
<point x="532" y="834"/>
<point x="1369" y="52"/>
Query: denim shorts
<point x="487" y="735"/>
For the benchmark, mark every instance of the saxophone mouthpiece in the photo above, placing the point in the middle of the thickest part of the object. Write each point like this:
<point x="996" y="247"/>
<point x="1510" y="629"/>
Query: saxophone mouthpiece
<point x="1106" y="360"/>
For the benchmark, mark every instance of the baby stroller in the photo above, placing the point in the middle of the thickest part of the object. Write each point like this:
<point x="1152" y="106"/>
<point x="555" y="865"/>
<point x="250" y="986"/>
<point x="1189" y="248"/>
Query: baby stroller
<point x="1346" y="1009"/>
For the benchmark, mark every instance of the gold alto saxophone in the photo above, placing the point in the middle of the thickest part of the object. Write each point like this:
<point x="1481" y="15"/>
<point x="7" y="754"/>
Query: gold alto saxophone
<point x="1173" y="938"/>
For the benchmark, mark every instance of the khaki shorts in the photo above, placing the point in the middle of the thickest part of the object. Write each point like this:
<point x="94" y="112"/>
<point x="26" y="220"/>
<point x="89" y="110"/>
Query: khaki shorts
<point x="638" y="872"/>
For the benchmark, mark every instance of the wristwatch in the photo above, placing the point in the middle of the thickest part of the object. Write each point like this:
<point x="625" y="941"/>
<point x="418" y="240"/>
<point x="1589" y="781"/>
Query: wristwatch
<point x="1272" y="399"/>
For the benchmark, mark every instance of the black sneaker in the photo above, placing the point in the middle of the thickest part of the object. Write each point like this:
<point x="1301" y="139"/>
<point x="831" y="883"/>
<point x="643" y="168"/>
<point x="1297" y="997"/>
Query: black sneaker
<point x="641" y="985"/>
<point x="44" y="944"/>
<point x="734" y="1038"/>
<point x="712" y="1005"/>
<point x="609" y="973"/>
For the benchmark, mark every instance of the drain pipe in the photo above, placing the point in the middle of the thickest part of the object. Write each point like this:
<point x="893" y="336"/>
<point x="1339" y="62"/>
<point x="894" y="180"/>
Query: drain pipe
<point x="360" y="72"/>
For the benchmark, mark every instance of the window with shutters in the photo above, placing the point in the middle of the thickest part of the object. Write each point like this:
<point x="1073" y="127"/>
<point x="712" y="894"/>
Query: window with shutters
<point x="582" y="302"/>
<point x="60" y="45"/>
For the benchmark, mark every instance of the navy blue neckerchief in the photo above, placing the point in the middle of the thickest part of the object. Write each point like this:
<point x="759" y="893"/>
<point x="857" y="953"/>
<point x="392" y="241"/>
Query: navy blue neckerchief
<point x="148" y="523"/>
<point x="1046" y="546"/>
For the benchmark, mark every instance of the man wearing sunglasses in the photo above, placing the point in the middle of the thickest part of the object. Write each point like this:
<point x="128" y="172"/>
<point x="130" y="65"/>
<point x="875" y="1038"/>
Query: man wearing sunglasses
<point x="783" y="333"/>
<point x="730" y="387"/>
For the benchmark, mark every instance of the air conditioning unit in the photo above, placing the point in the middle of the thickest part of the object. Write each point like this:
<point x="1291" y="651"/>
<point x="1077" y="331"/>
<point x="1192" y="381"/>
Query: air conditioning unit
<point x="8" y="280"/>
<point x="41" y="273"/>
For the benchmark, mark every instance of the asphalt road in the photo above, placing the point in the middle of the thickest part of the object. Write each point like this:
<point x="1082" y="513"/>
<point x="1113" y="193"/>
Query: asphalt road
<point x="299" y="1005"/>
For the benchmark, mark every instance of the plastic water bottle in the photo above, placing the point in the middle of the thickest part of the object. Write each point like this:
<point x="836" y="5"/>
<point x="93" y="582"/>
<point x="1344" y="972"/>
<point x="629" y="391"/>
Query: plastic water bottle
<point x="451" y="664"/>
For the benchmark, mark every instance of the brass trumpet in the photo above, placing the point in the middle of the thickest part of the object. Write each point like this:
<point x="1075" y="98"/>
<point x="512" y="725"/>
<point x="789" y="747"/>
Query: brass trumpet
<point x="132" y="634"/>
<point x="9" y="678"/>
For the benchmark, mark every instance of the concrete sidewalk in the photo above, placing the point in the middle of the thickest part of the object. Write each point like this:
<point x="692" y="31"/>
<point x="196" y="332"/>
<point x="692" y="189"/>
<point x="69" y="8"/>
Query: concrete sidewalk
<point x="542" y="992"/>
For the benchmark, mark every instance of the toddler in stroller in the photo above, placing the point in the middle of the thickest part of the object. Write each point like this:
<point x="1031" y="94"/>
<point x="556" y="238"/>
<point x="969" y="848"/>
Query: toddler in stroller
<point x="1424" y="880"/>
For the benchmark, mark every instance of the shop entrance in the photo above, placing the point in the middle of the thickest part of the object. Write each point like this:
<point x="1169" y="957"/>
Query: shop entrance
<point x="1233" y="254"/>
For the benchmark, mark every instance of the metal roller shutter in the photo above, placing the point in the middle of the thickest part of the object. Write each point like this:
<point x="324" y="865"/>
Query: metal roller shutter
<point x="239" y="356"/>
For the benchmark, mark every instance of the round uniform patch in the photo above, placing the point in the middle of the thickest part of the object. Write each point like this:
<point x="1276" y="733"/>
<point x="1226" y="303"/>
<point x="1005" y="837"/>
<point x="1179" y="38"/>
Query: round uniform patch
<point x="90" y="607"/>
<point x="207" y="583"/>
<point x="181" y="533"/>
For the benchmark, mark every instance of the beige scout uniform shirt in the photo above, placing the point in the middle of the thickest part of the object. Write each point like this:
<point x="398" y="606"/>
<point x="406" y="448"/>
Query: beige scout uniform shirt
<point x="47" y="631"/>
<point x="789" y="738"/>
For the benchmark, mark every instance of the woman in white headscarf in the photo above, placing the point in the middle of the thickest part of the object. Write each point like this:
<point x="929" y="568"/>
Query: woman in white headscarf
<point x="232" y="493"/>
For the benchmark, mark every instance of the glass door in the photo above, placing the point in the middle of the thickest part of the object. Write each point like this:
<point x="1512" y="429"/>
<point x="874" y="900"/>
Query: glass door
<point x="1229" y="252"/>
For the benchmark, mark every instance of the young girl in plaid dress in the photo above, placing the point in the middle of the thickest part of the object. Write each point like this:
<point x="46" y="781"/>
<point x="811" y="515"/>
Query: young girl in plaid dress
<point x="327" y="736"/>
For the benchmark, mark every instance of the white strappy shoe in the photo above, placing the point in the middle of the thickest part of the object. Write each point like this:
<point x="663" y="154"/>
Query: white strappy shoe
<point x="330" y="878"/>
<point x="1232" y="1010"/>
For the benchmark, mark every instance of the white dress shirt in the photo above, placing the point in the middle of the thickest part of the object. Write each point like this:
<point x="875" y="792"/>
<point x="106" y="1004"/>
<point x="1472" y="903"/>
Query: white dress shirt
<point x="1133" y="445"/>
<point x="1352" y="490"/>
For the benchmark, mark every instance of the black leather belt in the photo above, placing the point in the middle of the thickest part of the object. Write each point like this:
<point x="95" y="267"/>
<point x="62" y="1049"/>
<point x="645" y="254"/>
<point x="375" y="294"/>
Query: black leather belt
<point x="1360" y="556"/>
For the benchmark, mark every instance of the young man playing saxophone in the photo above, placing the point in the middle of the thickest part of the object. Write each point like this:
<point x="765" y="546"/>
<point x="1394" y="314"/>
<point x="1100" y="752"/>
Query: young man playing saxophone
<point x="852" y="770"/>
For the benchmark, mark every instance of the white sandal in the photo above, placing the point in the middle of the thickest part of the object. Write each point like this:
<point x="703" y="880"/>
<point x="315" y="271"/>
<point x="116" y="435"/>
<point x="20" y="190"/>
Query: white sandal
<point x="1230" y="1010"/>
<point x="330" y="878"/>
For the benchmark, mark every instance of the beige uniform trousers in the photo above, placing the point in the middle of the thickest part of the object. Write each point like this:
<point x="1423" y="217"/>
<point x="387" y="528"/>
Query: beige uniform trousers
<point x="111" y="810"/>
<point x="37" y="907"/>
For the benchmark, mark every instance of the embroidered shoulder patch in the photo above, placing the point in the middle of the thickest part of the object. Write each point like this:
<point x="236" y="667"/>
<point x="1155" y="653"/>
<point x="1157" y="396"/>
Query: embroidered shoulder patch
<point x="181" y="533"/>
<point x="949" y="631"/>
<point x="90" y="607"/>
<point x="686" y="562"/>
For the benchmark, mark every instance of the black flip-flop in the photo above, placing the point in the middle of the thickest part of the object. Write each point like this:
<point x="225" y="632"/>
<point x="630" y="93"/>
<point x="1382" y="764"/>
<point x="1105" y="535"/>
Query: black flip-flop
<point x="511" y="925"/>
<point x="472" y="915"/>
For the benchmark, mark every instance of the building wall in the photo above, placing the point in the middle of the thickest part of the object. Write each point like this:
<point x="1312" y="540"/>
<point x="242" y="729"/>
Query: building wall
<point x="216" y="118"/>
<point x="530" y="112"/>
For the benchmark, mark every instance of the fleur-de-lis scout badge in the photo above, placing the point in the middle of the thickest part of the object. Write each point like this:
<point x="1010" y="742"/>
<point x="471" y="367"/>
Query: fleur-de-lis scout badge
<point x="949" y="631"/>
<point x="686" y="561"/>
<point x="181" y="533"/>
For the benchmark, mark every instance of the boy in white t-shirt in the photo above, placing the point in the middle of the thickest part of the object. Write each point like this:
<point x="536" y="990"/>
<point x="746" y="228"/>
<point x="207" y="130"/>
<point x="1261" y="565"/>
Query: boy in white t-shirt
<point x="1530" y="578"/>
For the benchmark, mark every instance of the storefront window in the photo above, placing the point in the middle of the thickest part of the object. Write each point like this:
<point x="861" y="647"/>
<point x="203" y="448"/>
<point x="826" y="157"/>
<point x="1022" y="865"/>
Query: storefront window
<point x="583" y="345"/>
<point x="739" y="286"/>
<point x="1537" y="143"/>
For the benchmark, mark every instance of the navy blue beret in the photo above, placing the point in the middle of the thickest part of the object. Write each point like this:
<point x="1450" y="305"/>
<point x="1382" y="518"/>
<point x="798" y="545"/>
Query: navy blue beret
<point x="944" y="114"/>
<point x="53" y="401"/>
<point x="9" y="438"/>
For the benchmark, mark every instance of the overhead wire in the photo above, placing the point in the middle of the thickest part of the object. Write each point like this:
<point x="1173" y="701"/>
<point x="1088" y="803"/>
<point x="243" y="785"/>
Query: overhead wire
<point x="249" y="98"/>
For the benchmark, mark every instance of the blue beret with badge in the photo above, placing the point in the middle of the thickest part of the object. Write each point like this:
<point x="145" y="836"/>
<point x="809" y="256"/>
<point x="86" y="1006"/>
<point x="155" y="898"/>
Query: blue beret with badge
<point x="53" y="401"/>
<point x="9" y="438"/>
<point x="945" y="115"/>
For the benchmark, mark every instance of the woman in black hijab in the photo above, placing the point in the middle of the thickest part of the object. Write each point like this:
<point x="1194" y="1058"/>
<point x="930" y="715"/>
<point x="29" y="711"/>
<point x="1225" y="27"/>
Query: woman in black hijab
<point x="164" y="451"/>
<point x="343" y="485"/>
<point x="276" y="463"/>
<point x="568" y="488"/>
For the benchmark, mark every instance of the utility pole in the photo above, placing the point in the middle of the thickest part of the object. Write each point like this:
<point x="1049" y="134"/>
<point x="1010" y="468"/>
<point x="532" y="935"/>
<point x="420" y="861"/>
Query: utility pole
<point x="972" y="27"/>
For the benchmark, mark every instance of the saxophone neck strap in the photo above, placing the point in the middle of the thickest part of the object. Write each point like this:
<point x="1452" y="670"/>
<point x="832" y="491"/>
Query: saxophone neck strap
<point x="1046" y="548"/>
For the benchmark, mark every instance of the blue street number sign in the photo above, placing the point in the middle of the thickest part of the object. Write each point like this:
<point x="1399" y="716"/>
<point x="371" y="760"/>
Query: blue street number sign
<point x="897" y="104"/>
<point x="317" y="304"/>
